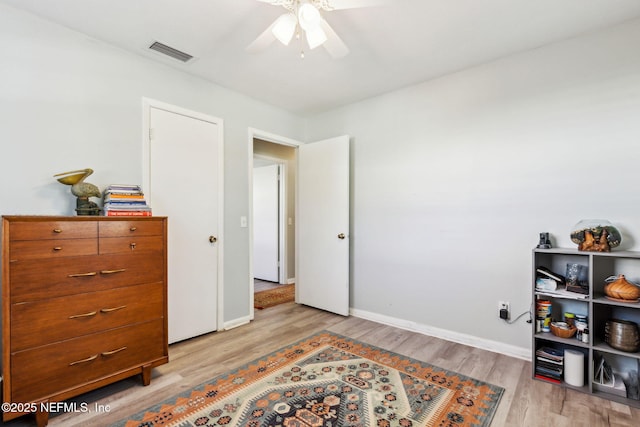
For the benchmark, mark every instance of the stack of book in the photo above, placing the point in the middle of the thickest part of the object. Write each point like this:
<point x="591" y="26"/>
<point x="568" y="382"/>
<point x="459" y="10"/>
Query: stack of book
<point x="125" y="200"/>
<point x="549" y="364"/>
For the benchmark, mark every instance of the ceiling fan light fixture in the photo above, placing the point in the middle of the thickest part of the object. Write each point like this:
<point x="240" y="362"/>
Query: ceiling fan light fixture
<point x="315" y="36"/>
<point x="284" y="28"/>
<point x="308" y="15"/>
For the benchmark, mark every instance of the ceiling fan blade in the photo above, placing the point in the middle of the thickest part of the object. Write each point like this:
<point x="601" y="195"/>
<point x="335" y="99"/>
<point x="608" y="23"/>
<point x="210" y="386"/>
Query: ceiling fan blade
<point x="353" y="4"/>
<point x="274" y="2"/>
<point x="263" y="41"/>
<point x="334" y="44"/>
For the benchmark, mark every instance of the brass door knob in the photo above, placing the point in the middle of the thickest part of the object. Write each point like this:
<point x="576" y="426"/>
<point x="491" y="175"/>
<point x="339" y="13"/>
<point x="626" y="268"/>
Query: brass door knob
<point x="213" y="239"/>
<point x="341" y="236"/>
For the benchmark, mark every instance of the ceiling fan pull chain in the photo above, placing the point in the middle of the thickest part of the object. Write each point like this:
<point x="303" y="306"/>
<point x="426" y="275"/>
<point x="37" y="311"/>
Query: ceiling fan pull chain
<point x="301" y="41"/>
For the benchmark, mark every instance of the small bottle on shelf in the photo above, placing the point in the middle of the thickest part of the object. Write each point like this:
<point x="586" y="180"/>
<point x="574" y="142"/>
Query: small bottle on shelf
<point x="585" y="336"/>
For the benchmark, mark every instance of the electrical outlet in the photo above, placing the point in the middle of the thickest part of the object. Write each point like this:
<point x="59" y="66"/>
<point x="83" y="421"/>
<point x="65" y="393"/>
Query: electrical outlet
<point x="503" y="310"/>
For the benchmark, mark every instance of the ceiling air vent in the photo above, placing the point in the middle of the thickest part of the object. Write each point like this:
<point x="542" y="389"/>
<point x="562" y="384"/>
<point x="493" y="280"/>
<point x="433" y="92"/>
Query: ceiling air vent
<point x="169" y="51"/>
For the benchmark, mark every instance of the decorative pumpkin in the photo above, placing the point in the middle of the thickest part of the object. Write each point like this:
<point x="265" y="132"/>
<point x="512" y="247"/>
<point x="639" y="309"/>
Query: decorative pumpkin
<point x="622" y="289"/>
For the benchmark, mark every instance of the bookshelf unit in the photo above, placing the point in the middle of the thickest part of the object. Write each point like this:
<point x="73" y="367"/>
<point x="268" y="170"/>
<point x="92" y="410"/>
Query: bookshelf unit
<point x="595" y="305"/>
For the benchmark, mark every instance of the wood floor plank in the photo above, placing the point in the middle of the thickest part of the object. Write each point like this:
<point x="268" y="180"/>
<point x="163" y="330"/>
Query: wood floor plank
<point x="525" y="402"/>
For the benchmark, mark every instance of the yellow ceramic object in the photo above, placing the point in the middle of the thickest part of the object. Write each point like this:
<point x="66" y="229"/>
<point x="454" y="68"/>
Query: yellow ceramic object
<point x="73" y="177"/>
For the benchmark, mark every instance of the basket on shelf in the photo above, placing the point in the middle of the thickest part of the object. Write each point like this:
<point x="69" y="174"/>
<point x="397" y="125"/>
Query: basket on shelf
<point x="563" y="332"/>
<point x="622" y="335"/>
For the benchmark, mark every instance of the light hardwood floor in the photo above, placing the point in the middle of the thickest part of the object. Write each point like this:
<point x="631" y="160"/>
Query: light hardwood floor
<point x="525" y="403"/>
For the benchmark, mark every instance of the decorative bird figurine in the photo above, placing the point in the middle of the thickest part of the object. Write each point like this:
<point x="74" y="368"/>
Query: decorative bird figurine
<point x="82" y="190"/>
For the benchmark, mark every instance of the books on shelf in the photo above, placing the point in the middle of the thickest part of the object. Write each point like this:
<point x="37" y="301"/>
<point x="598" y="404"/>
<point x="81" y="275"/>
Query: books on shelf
<point x="550" y="353"/>
<point x="125" y="200"/>
<point x="549" y="364"/>
<point x="113" y="212"/>
<point x="553" y="380"/>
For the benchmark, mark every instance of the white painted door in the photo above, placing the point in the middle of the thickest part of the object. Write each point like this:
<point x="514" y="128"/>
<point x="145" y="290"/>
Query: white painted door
<point x="322" y="234"/>
<point x="184" y="186"/>
<point x="265" y="222"/>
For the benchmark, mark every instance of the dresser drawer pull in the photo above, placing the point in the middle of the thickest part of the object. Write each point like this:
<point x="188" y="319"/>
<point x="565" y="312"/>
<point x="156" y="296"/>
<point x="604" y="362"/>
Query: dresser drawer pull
<point x="57" y="248"/>
<point x="133" y="229"/>
<point x="117" y="350"/>
<point x="77" y="316"/>
<point x="57" y="230"/>
<point x="88" y="359"/>
<point x="93" y="273"/>
<point x="112" y="309"/>
<point x="121" y="270"/>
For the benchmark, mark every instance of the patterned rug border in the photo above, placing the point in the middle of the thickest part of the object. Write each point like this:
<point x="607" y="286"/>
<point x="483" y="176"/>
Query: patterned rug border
<point x="392" y="359"/>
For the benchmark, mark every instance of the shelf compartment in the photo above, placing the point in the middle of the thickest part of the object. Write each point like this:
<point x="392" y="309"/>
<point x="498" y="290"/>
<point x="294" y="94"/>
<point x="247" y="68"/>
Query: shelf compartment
<point x="556" y="261"/>
<point x="604" y="312"/>
<point x="605" y="266"/>
<point x="557" y="343"/>
<point x="561" y="305"/>
<point x="621" y="365"/>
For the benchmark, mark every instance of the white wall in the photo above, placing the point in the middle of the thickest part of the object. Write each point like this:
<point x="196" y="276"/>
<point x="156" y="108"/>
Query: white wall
<point x="453" y="179"/>
<point x="70" y="102"/>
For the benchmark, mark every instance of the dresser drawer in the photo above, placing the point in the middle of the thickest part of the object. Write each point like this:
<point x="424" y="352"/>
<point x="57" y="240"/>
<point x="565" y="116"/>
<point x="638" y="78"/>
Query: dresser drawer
<point x="131" y="228"/>
<point x="50" y="278"/>
<point x="54" y="248"/>
<point x="113" y="245"/>
<point x="37" y="230"/>
<point x="44" y="371"/>
<point x="42" y="322"/>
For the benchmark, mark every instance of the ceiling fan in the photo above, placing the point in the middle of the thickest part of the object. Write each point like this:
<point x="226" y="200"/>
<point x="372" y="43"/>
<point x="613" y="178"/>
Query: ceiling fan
<point x="304" y="17"/>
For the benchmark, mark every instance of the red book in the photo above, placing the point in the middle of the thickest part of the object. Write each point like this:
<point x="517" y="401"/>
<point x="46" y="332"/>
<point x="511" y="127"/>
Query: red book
<point x="128" y="213"/>
<point x="551" y="380"/>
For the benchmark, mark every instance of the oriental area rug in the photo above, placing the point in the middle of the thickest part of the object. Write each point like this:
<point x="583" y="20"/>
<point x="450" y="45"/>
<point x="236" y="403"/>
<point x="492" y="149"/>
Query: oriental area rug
<point x="271" y="297"/>
<point x="328" y="380"/>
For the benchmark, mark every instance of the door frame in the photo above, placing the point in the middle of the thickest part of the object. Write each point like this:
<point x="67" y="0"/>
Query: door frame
<point x="275" y="139"/>
<point x="147" y="104"/>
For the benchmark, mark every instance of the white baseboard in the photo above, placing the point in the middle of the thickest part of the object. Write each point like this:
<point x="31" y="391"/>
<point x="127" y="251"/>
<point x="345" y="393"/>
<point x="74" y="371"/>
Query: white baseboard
<point x="236" y="322"/>
<point x="291" y="281"/>
<point x="484" y="344"/>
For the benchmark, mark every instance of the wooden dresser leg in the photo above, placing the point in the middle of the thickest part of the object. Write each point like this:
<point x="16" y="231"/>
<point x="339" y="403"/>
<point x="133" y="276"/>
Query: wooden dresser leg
<point x="146" y="375"/>
<point x="42" y="418"/>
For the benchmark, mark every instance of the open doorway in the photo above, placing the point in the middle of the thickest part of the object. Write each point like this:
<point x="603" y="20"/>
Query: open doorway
<point x="273" y="199"/>
<point x="319" y="264"/>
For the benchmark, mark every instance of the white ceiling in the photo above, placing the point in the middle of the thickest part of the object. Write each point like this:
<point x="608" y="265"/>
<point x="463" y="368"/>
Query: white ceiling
<point x="392" y="46"/>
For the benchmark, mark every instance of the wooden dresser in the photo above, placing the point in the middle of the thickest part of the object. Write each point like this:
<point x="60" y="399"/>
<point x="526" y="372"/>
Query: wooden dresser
<point x="84" y="304"/>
